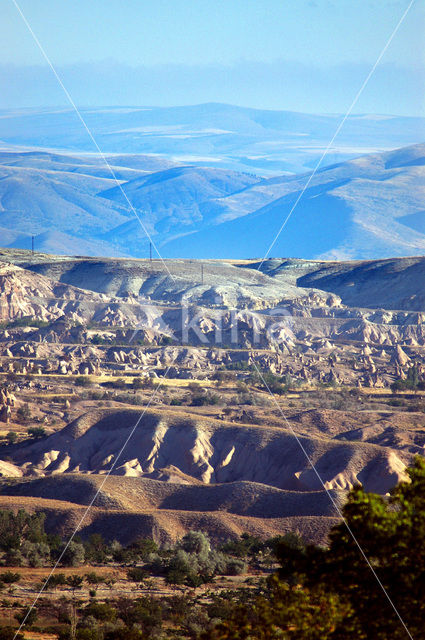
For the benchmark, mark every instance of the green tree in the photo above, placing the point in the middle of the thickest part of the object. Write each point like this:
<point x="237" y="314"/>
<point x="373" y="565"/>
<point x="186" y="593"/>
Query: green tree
<point x="333" y="593"/>
<point x="15" y="528"/>
<point x="29" y="615"/>
<point x="102" y="611"/>
<point x="146" y="612"/>
<point x="11" y="437"/>
<point x="137" y="574"/>
<point x="36" y="553"/>
<point x="412" y="381"/>
<point x="83" y="381"/>
<point x="93" y="578"/>
<point x="96" y="549"/>
<point x="244" y="546"/>
<point x="24" y="413"/>
<point x="413" y="377"/>
<point x="9" y="577"/>
<point x="143" y="547"/>
<point x="74" y="554"/>
<point x="284" y="613"/>
<point x="391" y="533"/>
<point x="195" y="542"/>
<point x="138" y="383"/>
<point x="56" y="580"/>
<point x="75" y="582"/>
<point x="37" y="432"/>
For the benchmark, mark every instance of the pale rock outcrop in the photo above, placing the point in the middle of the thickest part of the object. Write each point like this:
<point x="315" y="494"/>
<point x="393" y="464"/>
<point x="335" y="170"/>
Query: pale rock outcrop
<point x="399" y="357"/>
<point x="210" y="451"/>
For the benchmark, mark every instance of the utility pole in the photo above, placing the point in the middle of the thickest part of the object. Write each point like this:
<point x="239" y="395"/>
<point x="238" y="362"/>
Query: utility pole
<point x="32" y="245"/>
<point x="150" y="251"/>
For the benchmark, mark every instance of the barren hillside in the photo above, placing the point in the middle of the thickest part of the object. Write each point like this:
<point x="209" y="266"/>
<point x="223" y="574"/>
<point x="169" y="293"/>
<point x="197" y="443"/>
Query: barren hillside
<point x="87" y="343"/>
<point x="197" y="469"/>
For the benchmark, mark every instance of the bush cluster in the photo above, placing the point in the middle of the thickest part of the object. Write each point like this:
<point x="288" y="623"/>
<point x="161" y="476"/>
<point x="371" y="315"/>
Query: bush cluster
<point x="193" y="562"/>
<point x="318" y="593"/>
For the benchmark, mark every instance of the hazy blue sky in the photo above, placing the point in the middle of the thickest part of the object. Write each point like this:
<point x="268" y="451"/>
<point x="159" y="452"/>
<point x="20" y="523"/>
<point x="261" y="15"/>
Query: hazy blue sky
<point x="308" y="55"/>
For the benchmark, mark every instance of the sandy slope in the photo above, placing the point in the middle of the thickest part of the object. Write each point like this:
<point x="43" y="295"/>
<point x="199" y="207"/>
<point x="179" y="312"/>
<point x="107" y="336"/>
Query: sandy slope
<point x="181" y="471"/>
<point x="209" y="450"/>
<point x="166" y="525"/>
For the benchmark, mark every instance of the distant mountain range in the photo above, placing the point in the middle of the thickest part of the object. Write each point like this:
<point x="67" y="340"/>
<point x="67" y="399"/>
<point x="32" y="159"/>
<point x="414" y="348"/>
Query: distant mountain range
<point x="369" y="207"/>
<point x="241" y="139"/>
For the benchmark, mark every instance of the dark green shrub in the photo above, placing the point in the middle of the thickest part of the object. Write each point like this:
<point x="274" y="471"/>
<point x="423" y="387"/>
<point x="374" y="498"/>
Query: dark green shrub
<point x="24" y="413"/>
<point x="137" y="574"/>
<point x="37" y="432"/>
<point x="30" y="616"/>
<point x="102" y="611"/>
<point x="8" y="577"/>
<point x="83" y="381"/>
<point x="9" y="633"/>
<point x="93" y="578"/>
<point x="74" y="554"/>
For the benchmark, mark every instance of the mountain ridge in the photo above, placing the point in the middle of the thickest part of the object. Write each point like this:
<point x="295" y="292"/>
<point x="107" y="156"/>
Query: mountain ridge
<point x="368" y="207"/>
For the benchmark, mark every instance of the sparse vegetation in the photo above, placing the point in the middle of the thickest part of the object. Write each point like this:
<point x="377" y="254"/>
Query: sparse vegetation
<point x="83" y="381"/>
<point x="25" y="321"/>
<point x="200" y="399"/>
<point x="317" y="593"/>
<point x="24" y="413"/>
<point x="11" y="437"/>
<point x="412" y="382"/>
<point x="36" y="432"/>
<point x="119" y="383"/>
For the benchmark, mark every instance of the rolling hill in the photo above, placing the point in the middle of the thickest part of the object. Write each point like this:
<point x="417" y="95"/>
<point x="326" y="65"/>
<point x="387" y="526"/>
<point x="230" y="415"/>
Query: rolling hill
<point x="220" y="135"/>
<point x="369" y="207"/>
<point x="183" y="471"/>
<point x="208" y="451"/>
<point x="71" y="204"/>
<point x="346" y="331"/>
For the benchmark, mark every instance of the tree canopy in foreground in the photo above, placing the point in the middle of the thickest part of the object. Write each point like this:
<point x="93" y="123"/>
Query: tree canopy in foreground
<point x="333" y="593"/>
